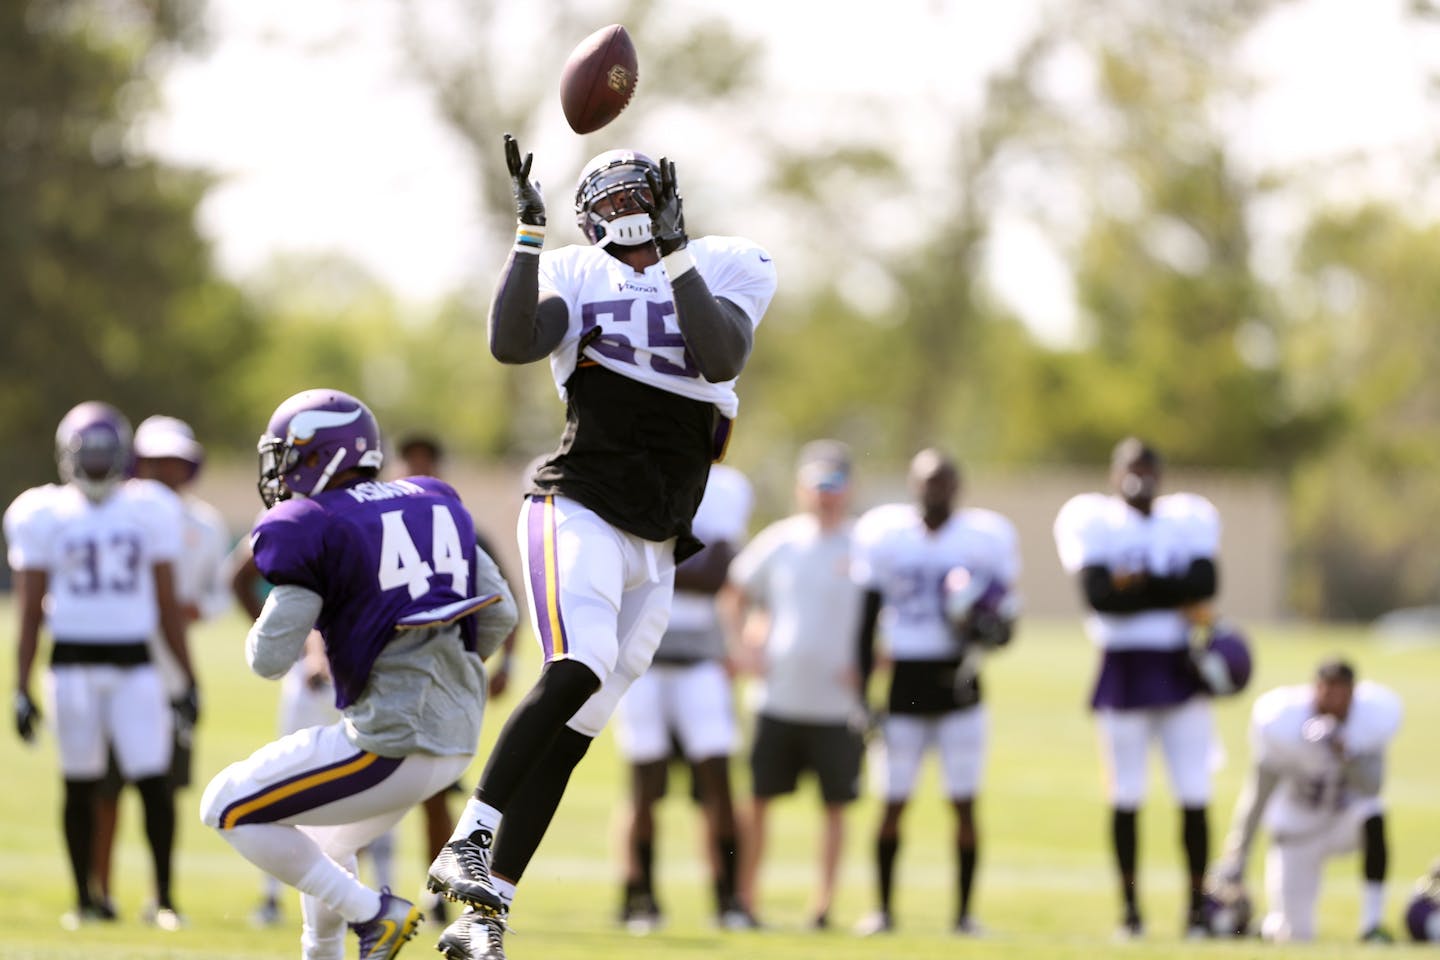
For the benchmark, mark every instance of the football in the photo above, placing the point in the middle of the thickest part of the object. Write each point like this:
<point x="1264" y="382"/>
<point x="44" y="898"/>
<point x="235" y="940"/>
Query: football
<point x="599" y="79"/>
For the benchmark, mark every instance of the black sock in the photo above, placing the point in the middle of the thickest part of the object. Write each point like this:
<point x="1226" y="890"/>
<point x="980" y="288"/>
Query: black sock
<point x="534" y="803"/>
<point x="727" y="853"/>
<point x="645" y="863"/>
<point x="1377" y="854"/>
<point x="885" y="850"/>
<point x="1123" y="840"/>
<point x="159" y="803"/>
<point x="528" y="735"/>
<point x="968" y="858"/>
<point x="79" y="821"/>
<point x="1197" y="852"/>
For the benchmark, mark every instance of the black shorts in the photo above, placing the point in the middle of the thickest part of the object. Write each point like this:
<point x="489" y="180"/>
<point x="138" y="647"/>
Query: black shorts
<point x="786" y="748"/>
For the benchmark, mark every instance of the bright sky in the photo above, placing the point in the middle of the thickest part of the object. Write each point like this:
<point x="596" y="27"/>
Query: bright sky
<point x="323" y="142"/>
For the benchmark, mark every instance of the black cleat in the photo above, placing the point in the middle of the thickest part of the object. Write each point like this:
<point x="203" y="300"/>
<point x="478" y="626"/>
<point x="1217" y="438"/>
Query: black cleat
<point x="461" y="872"/>
<point x="477" y="934"/>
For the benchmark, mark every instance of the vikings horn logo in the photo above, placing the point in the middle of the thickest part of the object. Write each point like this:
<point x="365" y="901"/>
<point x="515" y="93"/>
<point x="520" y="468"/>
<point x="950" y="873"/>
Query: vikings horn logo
<point x="307" y="422"/>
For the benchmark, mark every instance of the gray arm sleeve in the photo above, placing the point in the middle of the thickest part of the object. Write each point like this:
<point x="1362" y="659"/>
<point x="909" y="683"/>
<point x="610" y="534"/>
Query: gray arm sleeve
<point x="277" y="639"/>
<point x="1248" y="810"/>
<point x="524" y="327"/>
<point x="1365" y="773"/>
<point x="717" y="332"/>
<point x="494" y="623"/>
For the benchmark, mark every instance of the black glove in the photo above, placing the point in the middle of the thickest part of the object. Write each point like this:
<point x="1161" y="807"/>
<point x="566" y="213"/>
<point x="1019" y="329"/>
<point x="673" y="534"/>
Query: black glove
<point x="187" y="707"/>
<point x="987" y="629"/>
<point x="27" y="715"/>
<point x="529" y="204"/>
<point x="666" y="209"/>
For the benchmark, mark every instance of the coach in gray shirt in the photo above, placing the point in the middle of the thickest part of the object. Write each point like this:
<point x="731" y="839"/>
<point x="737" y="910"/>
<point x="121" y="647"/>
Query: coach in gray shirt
<point x="791" y="599"/>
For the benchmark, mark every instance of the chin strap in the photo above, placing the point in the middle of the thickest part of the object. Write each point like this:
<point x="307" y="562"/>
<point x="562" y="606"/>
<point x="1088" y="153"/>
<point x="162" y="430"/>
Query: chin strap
<point x="329" y="472"/>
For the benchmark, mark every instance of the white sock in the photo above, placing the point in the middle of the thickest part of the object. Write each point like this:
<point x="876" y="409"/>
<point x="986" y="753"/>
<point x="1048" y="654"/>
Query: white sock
<point x="505" y="888"/>
<point x="1372" y="905"/>
<point x="294" y="858"/>
<point x="322" y="937"/>
<point x="475" y="816"/>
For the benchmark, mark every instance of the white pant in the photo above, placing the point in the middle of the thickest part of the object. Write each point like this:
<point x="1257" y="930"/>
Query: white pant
<point x="693" y="700"/>
<point x="959" y="737"/>
<point x="1293" y="869"/>
<point x="98" y="706"/>
<point x="596" y="594"/>
<point x="1186" y="733"/>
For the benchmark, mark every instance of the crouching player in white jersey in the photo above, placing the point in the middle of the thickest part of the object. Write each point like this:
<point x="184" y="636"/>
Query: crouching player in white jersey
<point x="684" y="699"/>
<point x="646" y="332"/>
<point x="1144" y="562"/>
<point x="94" y="558"/>
<point x="903" y="556"/>
<point x="408" y="608"/>
<point x="1317" y="769"/>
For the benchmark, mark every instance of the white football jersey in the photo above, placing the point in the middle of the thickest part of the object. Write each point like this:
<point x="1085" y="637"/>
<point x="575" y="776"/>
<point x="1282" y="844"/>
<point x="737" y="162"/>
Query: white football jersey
<point x="1097" y="530"/>
<point x="636" y="312"/>
<point x="724" y="514"/>
<point x="897" y="555"/>
<point x="99" y="557"/>
<point x="199" y="579"/>
<point x="1311" y="788"/>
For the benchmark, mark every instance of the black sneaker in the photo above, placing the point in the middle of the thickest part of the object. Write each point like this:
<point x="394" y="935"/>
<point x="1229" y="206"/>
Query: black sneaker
<point x="640" y="913"/>
<point x="477" y="934"/>
<point x="1377" y="935"/>
<point x="461" y="872"/>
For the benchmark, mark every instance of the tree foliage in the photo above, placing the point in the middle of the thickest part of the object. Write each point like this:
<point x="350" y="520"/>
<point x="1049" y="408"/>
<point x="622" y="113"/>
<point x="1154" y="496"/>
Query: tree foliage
<point x="107" y="290"/>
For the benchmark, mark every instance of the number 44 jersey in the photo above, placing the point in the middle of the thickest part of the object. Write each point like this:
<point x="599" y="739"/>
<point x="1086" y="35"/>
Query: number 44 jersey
<point x="382" y="556"/>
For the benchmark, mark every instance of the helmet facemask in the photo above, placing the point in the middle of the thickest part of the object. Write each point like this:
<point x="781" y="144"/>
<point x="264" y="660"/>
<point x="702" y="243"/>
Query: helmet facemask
<point x="608" y="201"/>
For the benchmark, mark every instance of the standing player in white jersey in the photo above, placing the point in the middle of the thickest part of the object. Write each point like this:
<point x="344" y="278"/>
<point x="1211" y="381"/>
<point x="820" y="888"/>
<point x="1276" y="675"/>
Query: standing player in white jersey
<point x="646" y="332"/>
<point x="794" y="606"/>
<point x="685" y="698"/>
<point x="903" y="555"/>
<point x="94" y="558"/>
<point x="1317" y="770"/>
<point x="166" y="451"/>
<point x="1146" y="564"/>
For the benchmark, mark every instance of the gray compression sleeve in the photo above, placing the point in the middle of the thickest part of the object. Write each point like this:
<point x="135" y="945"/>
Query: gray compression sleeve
<point x="524" y="327"/>
<point x="494" y="623"/>
<point x="1249" y="808"/>
<point x="277" y="639"/>
<point x="717" y="332"/>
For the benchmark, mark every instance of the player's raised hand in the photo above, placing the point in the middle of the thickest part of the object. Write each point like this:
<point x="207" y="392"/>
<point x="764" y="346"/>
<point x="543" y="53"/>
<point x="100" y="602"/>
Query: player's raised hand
<point x="666" y="208"/>
<point x="27" y="716"/>
<point x="529" y="202"/>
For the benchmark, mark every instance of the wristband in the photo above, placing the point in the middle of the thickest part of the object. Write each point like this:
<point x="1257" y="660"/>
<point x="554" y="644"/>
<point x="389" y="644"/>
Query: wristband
<point x="529" y="238"/>
<point x="677" y="262"/>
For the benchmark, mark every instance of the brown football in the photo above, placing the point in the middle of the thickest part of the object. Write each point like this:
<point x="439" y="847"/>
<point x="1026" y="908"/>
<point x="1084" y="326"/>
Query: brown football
<point x="599" y="79"/>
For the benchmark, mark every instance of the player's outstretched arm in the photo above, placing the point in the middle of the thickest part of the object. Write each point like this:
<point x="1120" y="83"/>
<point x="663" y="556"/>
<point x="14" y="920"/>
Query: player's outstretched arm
<point x="718" y="334"/>
<point x="1249" y="808"/>
<point x="523" y="325"/>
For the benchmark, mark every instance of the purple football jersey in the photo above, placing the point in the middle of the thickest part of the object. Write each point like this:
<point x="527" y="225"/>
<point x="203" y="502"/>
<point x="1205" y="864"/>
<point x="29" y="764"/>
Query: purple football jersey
<point x="380" y="555"/>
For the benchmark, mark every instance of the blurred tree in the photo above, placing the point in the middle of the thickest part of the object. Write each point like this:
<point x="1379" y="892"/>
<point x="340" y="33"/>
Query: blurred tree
<point x="1363" y="338"/>
<point x="107" y="290"/>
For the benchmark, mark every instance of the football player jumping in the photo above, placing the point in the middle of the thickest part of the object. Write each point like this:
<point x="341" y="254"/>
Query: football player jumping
<point x="94" y="558"/>
<point x="904" y="554"/>
<point x="408" y="608"/>
<point x="1316" y="773"/>
<point x="646" y="332"/>
<point x="1143" y="562"/>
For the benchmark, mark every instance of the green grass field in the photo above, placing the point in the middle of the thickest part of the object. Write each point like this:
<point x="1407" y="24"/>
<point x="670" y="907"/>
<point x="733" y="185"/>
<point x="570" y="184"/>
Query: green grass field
<point x="1045" y="886"/>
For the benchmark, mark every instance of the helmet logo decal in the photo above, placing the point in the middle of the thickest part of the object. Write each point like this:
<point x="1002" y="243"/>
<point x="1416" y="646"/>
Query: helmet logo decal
<point x="305" y="423"/>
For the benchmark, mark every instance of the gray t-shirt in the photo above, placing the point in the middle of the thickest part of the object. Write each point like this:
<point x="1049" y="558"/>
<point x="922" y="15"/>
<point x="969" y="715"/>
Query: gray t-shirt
<point x="801" y="576"/>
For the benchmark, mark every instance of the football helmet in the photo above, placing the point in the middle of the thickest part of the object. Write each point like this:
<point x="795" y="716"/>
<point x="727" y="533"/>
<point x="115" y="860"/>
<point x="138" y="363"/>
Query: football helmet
<point x="1223" y="661"/>
<point x="161" y="437"/>
<point x="622" y="176"/>
<point x="311" y="437"/>
<point x="978" y="607"/>
<point x="1422" y="913"/>
<point x="92" y="448"/>
<point x="1227" y="910"/>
